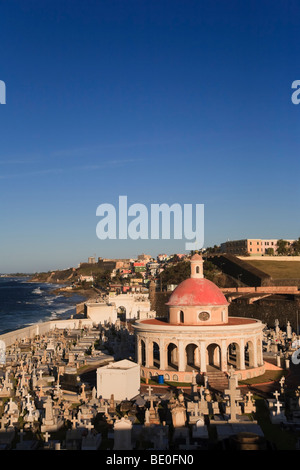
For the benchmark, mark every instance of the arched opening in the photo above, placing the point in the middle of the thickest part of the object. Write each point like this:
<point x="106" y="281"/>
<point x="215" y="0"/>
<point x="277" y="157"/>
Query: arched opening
<point x="172" y="356"/>
<point x="181" y="316"/>
<point x="213" y="356"/>
<point x="197" y="269"/>
<point x="234" y="355"/>
<point x="192" y="357"/>
<point x="156" y="355"/>
<point x="143" y="353"/>
<point x="121" y="312"/>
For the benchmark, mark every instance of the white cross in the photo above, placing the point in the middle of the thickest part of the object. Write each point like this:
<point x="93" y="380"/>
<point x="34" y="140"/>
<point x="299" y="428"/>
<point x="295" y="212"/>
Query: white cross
<point x="276" y="394"/>
<point x="278" y="406"/>
<point x="89" y="427"/>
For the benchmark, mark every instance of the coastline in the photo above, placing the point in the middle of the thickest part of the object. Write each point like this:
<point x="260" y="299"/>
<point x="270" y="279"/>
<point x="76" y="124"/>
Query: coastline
<point x="62" y="287"/>
<point x="50" y="300"/>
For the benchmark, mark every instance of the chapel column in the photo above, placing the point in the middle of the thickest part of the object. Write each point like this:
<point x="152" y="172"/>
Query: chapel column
<point x="202" y="356"/>
<point x="255" y="352"/>
<point x="138" y="351"/>
<point x="162" y="354"/>
<point x="181" y="357"/>
<point x="223" y="365"/>
<point x="150" y="353"/>
<point x="147" y="352"/>
<point x="242" y="354"/>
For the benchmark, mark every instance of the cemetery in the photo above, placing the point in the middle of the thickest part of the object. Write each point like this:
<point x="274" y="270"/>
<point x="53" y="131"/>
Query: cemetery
<point x="46" y="403"/>
<point x="86" y="385"/>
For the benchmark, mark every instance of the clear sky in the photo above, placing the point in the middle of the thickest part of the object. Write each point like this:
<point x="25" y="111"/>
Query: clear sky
<point x="163" y="101"/>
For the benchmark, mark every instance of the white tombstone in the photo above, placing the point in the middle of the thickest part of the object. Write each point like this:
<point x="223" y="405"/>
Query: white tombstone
<point x="110" y="377"/>
<point x="199" y="430"/>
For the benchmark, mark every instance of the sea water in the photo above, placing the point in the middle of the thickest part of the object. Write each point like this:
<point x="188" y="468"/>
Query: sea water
<point x="23" y="303"/>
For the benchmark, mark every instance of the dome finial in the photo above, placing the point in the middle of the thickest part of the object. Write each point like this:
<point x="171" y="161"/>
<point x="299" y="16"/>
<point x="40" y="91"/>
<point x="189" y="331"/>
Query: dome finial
<point x="197" y="266"/>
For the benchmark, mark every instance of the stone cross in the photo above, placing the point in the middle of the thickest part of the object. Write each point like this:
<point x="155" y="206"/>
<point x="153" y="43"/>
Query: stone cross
<point x="282" y="381"/>
<point x="89" y="427"/>
<point x="74" y="421"/>
<point x="278" y="405"/>
<point x="233" y="396"/>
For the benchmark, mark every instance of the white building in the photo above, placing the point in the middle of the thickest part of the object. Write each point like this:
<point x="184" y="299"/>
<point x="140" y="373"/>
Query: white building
<point x="121" y="379"/>
<point x="101" y="312"/>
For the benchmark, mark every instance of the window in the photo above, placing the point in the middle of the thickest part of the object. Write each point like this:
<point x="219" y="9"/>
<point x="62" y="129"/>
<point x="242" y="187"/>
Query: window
<point x="181" y="317"/>
<point x="203" y="316"/>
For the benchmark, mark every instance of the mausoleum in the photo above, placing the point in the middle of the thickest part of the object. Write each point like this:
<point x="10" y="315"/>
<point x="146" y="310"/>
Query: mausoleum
<point x="121" y="379"/>
<point x="198" y="336"/>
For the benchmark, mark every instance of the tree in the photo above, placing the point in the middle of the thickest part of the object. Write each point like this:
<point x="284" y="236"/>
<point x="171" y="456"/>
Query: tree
<point x="295" y="247"/>
<point x="103" y="279"/>
<point x="282" y="247"/>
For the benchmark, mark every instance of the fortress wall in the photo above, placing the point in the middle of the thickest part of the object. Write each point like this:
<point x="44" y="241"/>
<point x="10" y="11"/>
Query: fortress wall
<point x="43" y="328"/>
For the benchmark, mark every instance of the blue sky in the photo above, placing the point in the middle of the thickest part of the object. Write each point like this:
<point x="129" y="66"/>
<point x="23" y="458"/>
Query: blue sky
<point x="163" y="101"/>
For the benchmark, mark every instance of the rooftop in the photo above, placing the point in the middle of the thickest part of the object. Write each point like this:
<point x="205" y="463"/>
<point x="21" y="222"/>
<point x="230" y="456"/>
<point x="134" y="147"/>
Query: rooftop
<point x="232" y="321"/>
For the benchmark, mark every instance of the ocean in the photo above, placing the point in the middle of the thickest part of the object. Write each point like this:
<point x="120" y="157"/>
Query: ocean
<point x="23" y="303"/>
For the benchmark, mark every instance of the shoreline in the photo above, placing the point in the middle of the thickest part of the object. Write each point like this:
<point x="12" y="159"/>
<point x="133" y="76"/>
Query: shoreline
<point x="62" y="287"/>
<point x="74" y="300"/>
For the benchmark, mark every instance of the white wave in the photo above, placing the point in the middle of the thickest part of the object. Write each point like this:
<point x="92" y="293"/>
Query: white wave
<point x="37" y="291"/>
<point x="61" y="311"/>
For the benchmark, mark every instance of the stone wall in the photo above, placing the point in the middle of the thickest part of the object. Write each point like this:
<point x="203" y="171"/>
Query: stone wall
<point x="158" y="302"/>
<point x="43" y="328"/>
<point x="280" y="289"/>
<point x="282" y="308"/>
<point x="286" y="282"/>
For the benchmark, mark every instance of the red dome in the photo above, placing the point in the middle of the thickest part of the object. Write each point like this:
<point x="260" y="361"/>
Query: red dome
<point x="197" y="291"/>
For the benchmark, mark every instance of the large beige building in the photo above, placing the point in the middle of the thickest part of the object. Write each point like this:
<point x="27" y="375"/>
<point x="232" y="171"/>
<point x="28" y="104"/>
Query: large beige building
<point x="198" y="335"/>
<point x="251" y="246"/>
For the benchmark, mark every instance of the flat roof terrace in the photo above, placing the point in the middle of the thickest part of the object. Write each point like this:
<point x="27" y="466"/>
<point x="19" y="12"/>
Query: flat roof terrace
<point x="232" y="321"/>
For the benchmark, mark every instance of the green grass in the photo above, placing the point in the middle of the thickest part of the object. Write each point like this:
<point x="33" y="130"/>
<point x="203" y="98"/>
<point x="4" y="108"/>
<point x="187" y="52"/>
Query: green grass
<point x="282" y="439"/>
<point x="278" y="269"/>
<point x="268" y="376"/>
<point x="166" y="383"/>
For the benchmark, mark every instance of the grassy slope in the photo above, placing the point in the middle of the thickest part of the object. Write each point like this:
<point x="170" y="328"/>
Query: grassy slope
<point x="278" y="269"/>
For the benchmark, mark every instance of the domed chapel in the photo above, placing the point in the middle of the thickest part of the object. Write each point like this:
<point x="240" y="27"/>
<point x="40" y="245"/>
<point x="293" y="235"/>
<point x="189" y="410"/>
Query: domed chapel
<point x="198" y="336"/>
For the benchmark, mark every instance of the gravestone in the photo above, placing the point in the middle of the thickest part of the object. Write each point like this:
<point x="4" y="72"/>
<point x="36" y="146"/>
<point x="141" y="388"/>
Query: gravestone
<point x="122" y="434"/>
